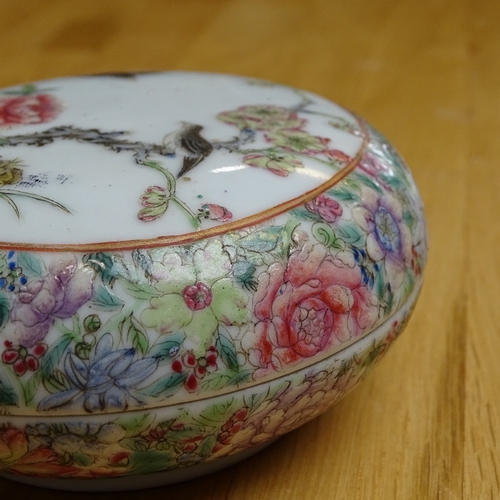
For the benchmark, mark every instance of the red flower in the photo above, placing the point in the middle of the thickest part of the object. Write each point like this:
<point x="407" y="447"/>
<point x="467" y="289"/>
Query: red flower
<point x="197" y="296"/>
<point x="215" y="212"/>
<point x="197" y="367"/>
<point x="336" y="154"/>
<point x="120" y="457"/>
<point x="231" y="427"/>
<point x="28" y="109"/>
<point x="313" y="303"/>
<point x="327" y="208"/>
<point x="22" y="359"/>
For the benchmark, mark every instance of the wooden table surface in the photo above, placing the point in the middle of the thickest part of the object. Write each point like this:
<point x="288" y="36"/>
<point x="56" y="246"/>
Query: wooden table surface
<point x="426" y="424"/>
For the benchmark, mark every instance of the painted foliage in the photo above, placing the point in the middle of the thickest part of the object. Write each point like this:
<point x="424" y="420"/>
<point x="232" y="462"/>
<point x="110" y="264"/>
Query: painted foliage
<point x="154" y="441"/>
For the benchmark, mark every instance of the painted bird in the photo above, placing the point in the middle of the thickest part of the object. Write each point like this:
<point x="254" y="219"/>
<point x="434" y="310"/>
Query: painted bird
<point x="188" y="143"/>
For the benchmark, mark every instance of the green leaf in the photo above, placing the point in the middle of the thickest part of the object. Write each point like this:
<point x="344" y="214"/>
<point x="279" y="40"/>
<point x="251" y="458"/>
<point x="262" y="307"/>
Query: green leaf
<point x="343" y="194"/>
<point x="134" y="334"/>
<point x="31" y="386"/>
<point x="4" y="310"/>
<point x="367" y="181"/>
<point x="8" y="199"/>
<point x="379" y="285"/>
<point x="135" y="424"/>
<point x="167" y="349"/>
<point x="226" y="348"/>
<point x="244" y="271"/>
<point x="218" y="413"/>
<point x="141" y="291"/>
<point x="185" y="433"/>
<point x="57" y="382"/>
<point x="166" y="386"/>
<point x="350" y="233"/>
<point x="31" y="264"/>
<point x="146" y="462"/>
<point x="132" y="443"/>
<point x="82" y="460"/>
<point x="276" y="391"/>
<point x="54" y="356"/>
<point x="343" y="124"/>
<point x="214" y="383"/>
<point x="255" y="400"/>
<point x="324" y="234"/>
<point x="304" y="214"/>
<point x="28" y="88"/>
<point x="207" y="445"/>
<point x="103" y="264"/>
<point x="263" y="240"/>
<point x="409" y="218"/>
<point x="240" y="377"/>
<point x="106" y="300"/>
<point x="8" y="396"/>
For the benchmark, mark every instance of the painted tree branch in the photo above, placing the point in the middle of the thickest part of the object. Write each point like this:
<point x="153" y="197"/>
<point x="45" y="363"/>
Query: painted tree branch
<point x="112" y="140"/>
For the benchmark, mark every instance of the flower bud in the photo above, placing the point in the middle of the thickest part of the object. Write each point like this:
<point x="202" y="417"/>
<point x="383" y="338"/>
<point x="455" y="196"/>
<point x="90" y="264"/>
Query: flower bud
<point x="92" y="323"/>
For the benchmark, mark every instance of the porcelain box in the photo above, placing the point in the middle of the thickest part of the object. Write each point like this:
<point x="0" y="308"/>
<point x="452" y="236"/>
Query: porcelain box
<point x="191" y="265"/>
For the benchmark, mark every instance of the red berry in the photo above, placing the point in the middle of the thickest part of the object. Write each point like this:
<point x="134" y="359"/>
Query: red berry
<point x="191" y="382"/>
<point x="31" y="363"/>
<point x="9" y="356"/>
<point x="189" y="359"/>
<point x="20" y="367"/>
<point x="177" y="366"/>
<point x="212" y="358"/>
<point x="39" y="350"/>
<point x="7" y="343"/>
<point x="200" y="371"/>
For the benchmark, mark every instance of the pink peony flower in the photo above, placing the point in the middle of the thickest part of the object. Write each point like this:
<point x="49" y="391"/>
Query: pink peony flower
<point x="327" y="208"/>
<point x="28" y="109"/>
<point x="314" y="302"/>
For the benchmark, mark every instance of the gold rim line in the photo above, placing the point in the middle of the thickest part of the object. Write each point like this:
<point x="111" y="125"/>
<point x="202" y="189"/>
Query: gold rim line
<point x="204" y="233"/>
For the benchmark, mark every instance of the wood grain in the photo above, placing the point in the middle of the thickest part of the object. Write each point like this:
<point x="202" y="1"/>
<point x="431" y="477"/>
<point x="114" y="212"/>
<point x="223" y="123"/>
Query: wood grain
<point x="425" y="425"/>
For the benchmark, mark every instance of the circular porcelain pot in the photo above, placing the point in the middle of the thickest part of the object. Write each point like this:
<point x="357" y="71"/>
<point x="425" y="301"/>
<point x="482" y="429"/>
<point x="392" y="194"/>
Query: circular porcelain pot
<point x="191" y="265"/>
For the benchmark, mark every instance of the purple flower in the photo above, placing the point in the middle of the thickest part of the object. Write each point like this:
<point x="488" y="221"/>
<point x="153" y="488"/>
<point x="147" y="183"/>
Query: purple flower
<point x="388" y="237"/>
<point x="59" y="294"/>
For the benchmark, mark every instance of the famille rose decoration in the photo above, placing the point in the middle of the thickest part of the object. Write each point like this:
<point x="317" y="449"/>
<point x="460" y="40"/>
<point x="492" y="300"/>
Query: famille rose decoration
<point x="191" y="265"/>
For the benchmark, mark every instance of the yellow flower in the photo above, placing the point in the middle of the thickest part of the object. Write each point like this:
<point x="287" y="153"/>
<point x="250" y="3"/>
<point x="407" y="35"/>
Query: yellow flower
<point x="9" y="173"/>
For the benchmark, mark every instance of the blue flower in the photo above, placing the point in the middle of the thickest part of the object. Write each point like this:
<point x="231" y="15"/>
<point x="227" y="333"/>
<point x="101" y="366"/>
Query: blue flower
<point x="107" y="381"/>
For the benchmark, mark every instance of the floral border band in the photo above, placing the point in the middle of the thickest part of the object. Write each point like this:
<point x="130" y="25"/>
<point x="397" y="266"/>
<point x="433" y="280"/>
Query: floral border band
<point x="162" y="440"/>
